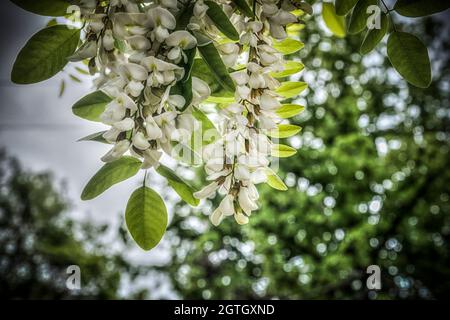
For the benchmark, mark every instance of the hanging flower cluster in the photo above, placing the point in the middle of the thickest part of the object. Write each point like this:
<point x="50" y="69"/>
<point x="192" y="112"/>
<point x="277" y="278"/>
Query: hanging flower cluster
<point x="156" y="64"/>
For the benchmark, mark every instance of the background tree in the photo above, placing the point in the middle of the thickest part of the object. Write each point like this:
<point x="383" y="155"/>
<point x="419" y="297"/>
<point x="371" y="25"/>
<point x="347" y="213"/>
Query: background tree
<point x="38" y="241"/>
<point x="368" y="186"/>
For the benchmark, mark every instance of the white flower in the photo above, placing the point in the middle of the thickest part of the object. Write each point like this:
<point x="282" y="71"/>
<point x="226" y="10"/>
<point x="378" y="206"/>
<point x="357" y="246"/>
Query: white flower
<point x="247" y="200"/>
<point x="108" y="40"/>
<point x="134" y="88"/>
<point x="161" y="72"/>
<point x="216" y="217"/>
<point x="124" y="125"/>
<point x="152" y="129"/>
<point x="166" y="121"/>
<point x="129" y="24"/>
<point x="96" y="24"/>
<point x="229" y="52"/>
<point x="139" y="43"/>
<point x="140" y="141"/>
<point x="200" y="9"/>
<point x="133" y="71"/>
<point x="161" y="20"/>
<point x="200" y="90"/>
<point x="268" y="101"/>
<point x="249" y="37"/>
<point x="207" y="191"/>
<point x="180" y="40"/>
<point x="116" y="109"/>
<point x="227" y="205"/>
<point x="241" y="218"/>
<point x="117" y="151"/>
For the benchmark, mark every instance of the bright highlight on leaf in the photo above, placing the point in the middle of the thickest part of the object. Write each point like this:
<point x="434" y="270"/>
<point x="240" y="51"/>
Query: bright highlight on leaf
<point x="336" y="24"/>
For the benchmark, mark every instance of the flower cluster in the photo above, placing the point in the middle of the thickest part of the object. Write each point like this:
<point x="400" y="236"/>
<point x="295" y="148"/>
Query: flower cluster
<point x="240" y="160"/>
<point x="146" y="118"/>
<point x="141" y="55"/>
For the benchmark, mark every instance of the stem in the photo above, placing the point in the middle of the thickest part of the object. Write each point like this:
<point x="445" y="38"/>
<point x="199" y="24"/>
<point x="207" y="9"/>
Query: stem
<point x="388" y="11"/>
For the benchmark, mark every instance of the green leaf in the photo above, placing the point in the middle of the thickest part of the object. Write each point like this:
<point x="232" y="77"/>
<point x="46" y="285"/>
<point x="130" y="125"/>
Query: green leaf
<point x="201" y="70"/>
<point x="289" y="110"/>
<point x="181" y="187"/>
<point x="215" y="64"/>
<point x="284" y="131"/>
<point x="146" y="217"/>
<point x="288" y="46"/>
<point x="359" y="17"/>
<point x="290" y="68"/>
<point x="409" y="56"/>
<point x="282" y="151"/>
<point x="290" y="89"/>
<point x="207" y="127"/>
<point x="374" y="36"/>
<point x="184" y="17"/>
<point x="244" y="8"/>
<point x="344" y="6"/>
<point x="190" y="54"/>
<point x="275" y="181"/>
<point x="52" y="8"/>
<point x="220" y="100"/>
<point x="98" y="137"/>
<point x="91" y="106"/>
<point x="110" y="174"/>
<point x="220" y="19"/>
<point x="420" y="8"/>
<point x="45" y="54"/>
<point x="335" y="23"/>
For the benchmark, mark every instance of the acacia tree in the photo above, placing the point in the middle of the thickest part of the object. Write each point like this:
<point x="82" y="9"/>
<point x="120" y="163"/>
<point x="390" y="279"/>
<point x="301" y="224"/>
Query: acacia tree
<point x="159" y="64"/>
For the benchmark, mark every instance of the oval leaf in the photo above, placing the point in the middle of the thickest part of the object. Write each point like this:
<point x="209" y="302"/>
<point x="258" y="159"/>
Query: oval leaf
<point x="359" y="17"/>
<point x="215" y="64"/>
<point x="275" y="181"/>
<point x="181" y="187"/>
<point x="284" y="131"/>
<point x="335" y="23"/>
<point x="290" y="68"/>
<point x="51" y="8"/>
<point x="146" y="217"/>
<point x="91" y="106"/>
<point x="420" y="8"/>
<point x="409" y="56"/>
<point x="45" y="54"/>
<point x="344" y="6"/>
<point x="290" y="89"/>
<point x="244" y="8"/>
<point x="288" y="46"/>
<point x="374" y="36"/>
<point x="289" y="110"/>
<point x="98" y="137"/>
<point x="221" y="21"/>
<point x="110" y="174"/>
<point x="282" y="151"/>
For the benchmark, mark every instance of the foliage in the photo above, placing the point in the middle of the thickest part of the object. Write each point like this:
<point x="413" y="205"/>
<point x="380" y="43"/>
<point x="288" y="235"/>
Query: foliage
<point x="369" y="186"/>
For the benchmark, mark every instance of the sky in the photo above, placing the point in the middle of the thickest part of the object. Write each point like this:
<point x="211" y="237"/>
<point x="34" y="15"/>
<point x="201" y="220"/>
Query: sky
<point x="40" y="130"/>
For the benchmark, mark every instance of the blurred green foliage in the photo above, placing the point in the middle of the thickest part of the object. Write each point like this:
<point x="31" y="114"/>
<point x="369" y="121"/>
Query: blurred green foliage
<point x="369" y="186"/>
<point x="39" y="241"/>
